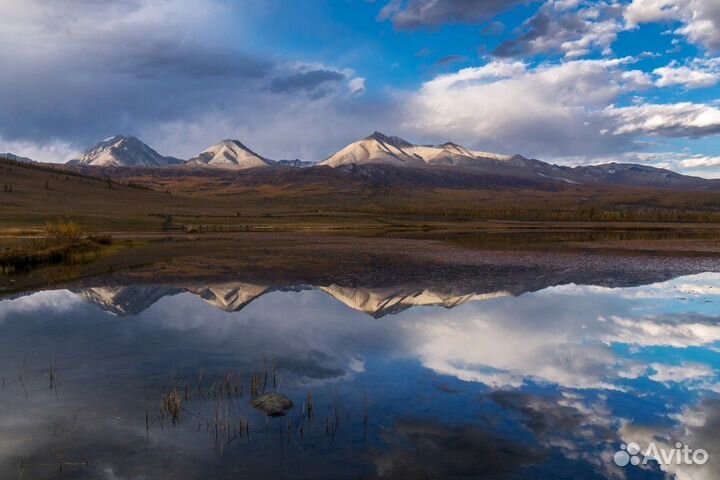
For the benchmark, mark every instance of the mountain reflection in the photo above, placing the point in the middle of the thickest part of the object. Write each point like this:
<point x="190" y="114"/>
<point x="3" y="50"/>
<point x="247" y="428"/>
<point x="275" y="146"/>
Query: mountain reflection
<point x="376" y="300"/>
<point x="233" y="297"/>
<point x="500" y="380"/>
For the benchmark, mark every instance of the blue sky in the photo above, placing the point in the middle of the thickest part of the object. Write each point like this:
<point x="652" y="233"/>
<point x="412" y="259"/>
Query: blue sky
<point x="567" y="81"/>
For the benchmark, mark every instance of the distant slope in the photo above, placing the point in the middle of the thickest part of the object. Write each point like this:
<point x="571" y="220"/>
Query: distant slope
<point x="440" y="190"/>
<point x="295" y="163"/>
<point x="16" y="158"/>
<point x="123" y="151"/>
<point x="229" y="154"/>
<point x="638" y="175"/>
<point x="45" y="192"/>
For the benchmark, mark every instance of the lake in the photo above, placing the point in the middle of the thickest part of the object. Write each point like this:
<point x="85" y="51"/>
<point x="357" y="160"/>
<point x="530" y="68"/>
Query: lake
<point x="444" y="379"/>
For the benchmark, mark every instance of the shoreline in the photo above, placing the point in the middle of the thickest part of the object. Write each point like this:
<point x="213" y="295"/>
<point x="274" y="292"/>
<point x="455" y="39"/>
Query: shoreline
<point x="291" y="259"/>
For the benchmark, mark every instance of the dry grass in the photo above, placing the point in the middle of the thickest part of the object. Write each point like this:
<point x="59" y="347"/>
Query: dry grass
<point x="171" y="404"/>
<point x="62" y="231"/>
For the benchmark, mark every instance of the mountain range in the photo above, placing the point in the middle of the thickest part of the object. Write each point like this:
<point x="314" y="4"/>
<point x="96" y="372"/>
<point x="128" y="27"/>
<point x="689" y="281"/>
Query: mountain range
<point x="380" y="156"/>
<point x="127" y="151"/>
<point x="234" y="296"/>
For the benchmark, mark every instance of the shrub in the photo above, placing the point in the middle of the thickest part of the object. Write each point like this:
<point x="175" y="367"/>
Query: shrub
<point x="63" y="231"/>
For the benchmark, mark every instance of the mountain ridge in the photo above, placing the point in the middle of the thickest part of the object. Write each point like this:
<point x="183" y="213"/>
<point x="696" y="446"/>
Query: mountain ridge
<point x="370" y="154"/>
<point x="235" y="296"/>
<point x="16" y="158"/>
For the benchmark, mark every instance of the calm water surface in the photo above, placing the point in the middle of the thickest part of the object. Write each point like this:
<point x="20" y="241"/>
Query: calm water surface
<point x="386" y="382"/>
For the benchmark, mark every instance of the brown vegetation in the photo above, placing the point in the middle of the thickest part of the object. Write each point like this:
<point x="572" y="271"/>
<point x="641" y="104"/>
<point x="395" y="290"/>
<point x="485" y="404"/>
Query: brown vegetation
<point x="210" y="201"/>
<point x="61" y="240"/>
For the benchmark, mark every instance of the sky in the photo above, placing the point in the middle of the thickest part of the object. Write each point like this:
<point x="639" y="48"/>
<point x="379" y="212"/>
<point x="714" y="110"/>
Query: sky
<point x="565" y="81"/>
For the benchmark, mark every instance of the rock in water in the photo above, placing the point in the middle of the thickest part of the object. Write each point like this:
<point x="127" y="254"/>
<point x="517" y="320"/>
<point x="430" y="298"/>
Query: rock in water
<point x="272" y="404"/>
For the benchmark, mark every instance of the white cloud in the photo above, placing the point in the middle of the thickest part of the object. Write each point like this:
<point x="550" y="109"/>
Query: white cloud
<point x="700" y="161"/>
<point x="652" y="11"/>
<point x="699" y="73"/>
<point x="504" y="345"/>
<point x="700" y="18"/>
<point x="650" y="332"/>
<point x="547" y="111"/>
<point x="53" y="151"/>
<point x="679" y="373"/>
<point x="357" y="86"/>
<point x="58" y="301"/>
<point x="573" y="28"/>
<point x="684" y="76"/>
<point x="703" y="26"/>
<point x="683" y="119"/>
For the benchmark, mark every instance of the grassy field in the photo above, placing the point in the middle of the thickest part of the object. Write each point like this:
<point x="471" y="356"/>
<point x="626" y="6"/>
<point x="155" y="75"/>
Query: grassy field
<point x="175" y="201"/>
<point x="30" y="197"/>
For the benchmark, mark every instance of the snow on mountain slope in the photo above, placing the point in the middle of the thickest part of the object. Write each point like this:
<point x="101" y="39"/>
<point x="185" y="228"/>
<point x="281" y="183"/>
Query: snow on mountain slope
<point x="123" y="301"/>
<point x="234" y="296"/>
<point x="380" y="302"/>
<point x="230" y="297"/>
<point x="123" y="151"/>
<point x="379" y="148"/>
<point x="229" y="154"/>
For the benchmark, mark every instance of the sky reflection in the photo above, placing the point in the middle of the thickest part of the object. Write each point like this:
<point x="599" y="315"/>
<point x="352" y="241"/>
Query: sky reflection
<point x="546" y="383"/>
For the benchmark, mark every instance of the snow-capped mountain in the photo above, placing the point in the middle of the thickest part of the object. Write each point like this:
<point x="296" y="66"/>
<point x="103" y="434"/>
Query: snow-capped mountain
<point x="382" y="149"/>
<point x="229" y="154"/>
<point x="231" y="297"/>
<point x="123" y="151"/>
<point x="379" y="302"/>
<point x="123" y="301"/>
<point x="392" y="160"/>
<point x="234" y="296"/>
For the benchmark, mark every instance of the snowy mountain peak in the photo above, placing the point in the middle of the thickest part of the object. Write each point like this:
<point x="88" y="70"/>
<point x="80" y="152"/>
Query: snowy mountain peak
<point x="230" y="154"/>
<point x="396" y="142"/>
<point x="123" y="151"/>
<point x="232" y="143"/>
<point x="379" y="148"/>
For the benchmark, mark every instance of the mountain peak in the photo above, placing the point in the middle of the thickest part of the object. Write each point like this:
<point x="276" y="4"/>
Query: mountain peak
<point x="389" y="140"/>
<point x="379" y="148"/>
<point x="123" y="151"/>
<point x="231" y="141"/>
<point x="229" y="154"/>
<point x="118" y="137"/>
